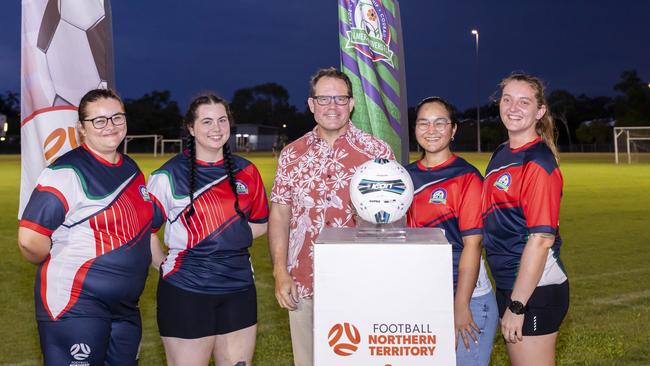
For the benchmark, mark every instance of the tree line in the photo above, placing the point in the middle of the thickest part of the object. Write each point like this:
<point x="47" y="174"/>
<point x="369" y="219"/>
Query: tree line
<point x="579" y="119"/>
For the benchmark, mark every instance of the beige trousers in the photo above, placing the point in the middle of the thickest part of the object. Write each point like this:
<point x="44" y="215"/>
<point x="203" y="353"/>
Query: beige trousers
<point x="301" y="322"/>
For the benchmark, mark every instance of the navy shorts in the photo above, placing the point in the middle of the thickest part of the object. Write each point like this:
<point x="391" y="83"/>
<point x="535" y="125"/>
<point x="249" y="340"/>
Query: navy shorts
<point x="545" y="310"/>
<point x="190" y="315"/>
<point x="91" y="341"/>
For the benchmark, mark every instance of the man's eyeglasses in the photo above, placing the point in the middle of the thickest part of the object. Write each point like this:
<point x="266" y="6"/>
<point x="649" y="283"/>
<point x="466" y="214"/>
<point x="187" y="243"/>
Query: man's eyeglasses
<point x="327" y="99"/>
<point x="100" y="122"/>
<point x="439" y="124"/>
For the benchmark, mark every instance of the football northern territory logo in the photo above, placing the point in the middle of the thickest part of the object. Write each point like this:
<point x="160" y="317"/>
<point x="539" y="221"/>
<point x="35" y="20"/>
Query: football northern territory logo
<point x="344" y="346"/>
<point x="369" y="30"/>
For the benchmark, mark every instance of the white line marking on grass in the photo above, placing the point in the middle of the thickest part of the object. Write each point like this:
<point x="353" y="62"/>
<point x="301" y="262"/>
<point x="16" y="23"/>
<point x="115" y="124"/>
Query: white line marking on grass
<point x="605" y="274"/>
<point x="622" y="298"/>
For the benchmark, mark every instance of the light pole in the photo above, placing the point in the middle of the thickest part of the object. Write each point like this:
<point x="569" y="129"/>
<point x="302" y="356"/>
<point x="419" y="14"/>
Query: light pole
<point x="478" y="97"/>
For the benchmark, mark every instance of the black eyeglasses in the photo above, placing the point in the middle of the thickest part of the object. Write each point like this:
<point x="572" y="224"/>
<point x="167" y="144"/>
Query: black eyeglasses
<point x="327" y="99"/>
<point x="100" y="122"/>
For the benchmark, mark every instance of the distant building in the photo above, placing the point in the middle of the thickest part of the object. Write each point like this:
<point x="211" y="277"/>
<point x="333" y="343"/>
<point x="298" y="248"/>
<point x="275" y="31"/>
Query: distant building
<point x="250" y="137"/>
<point x="3" y="127"/>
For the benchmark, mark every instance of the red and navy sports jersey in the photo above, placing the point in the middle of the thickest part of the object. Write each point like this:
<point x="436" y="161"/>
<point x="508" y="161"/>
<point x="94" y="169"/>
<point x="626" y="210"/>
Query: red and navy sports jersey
<point x="98" y="216"/>
<point x="208" y="252"/>
<point x="521" y="196"/>
<point x="447" y="196"/>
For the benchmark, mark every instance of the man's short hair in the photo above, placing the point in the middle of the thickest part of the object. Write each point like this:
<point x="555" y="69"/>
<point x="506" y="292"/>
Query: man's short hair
<point x="330" y="72"/>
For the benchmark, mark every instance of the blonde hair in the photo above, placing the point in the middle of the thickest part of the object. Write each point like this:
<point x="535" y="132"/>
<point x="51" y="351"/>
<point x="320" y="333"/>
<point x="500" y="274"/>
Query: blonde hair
<point x="545" y="126"/>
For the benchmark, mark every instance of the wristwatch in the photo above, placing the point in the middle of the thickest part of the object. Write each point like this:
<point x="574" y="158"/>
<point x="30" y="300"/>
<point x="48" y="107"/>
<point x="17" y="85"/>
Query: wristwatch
<point x="516" y="307"/>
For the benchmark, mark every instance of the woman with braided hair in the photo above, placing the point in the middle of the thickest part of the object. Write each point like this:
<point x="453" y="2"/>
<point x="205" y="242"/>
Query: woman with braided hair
<point x="213" y="205"/>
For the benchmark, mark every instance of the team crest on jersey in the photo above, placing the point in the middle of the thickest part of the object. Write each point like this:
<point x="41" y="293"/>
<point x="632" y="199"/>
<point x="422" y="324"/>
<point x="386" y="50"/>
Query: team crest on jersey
<point x="241" y="187"/>
<point x="503" y="182"/>
<point x="144" y="193"/>
<point x="438" y="196"/>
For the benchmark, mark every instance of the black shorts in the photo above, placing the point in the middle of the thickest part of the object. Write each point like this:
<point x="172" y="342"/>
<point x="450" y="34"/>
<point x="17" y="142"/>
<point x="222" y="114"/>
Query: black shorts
<point x="190" y="315"/>
<point x="545" y="309"/>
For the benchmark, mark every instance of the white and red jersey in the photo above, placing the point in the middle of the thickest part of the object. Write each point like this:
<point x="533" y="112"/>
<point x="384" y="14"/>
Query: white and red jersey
<point x="208" y="251"/>
<point x="98" y="216"/>
<point x="521" y="196"/>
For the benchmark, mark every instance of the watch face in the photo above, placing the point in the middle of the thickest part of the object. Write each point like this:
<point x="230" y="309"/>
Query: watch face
<point x="516" y="307"/>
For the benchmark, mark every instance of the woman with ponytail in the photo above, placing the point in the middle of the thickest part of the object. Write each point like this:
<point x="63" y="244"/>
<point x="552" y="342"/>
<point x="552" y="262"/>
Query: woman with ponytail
<point x="213" y="204"/>
<point x="521" y="208"/>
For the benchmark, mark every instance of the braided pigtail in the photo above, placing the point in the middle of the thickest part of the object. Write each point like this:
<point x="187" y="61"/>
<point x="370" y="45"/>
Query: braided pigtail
<point x="230" y="170"/>
<point x="189" y="142"/>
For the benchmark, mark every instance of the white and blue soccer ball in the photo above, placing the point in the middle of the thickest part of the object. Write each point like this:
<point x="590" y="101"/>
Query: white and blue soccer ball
<point x="381" y="191"/>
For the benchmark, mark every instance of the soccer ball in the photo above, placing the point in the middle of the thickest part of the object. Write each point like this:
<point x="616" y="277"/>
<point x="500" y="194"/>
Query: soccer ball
<point x="71" y="38"/>
<point x="381" y="190"/>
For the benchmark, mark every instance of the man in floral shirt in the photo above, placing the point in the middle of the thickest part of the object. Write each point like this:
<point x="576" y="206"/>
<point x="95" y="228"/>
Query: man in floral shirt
<point x="311" y="192"/>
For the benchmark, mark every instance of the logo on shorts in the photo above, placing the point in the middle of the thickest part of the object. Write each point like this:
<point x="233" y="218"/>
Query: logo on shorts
<point x="80" y="351"/>
<point x="144" y="193"/>
<point x="503" y="183"/>
<point x="241" y="187"/>
<point x="347" y="346"/>
<point x="438" y="196"/>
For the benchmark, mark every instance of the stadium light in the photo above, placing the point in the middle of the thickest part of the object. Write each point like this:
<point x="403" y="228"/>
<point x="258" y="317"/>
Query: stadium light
<point x="478" y="97"/>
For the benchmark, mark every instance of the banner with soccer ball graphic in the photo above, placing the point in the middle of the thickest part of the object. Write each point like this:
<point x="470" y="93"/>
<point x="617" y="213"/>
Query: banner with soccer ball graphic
<point x="372" y="55"/>
<point x="67" y="50"/>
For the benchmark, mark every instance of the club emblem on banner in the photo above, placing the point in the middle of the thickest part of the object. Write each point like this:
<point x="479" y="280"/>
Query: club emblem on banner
<point x="347" y="346"/>
<point x="369" y="34"/>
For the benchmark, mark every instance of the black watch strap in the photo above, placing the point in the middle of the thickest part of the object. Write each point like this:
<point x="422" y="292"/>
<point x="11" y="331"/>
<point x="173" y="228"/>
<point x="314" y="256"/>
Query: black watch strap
<point x="516" y="307"/>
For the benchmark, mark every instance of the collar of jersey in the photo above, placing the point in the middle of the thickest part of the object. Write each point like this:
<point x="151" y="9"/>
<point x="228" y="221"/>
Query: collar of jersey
<point x="439" y="166"/>
<point x="102" y="160"/>
<point x="186" y="152"/>
<point x="526" y="145"/>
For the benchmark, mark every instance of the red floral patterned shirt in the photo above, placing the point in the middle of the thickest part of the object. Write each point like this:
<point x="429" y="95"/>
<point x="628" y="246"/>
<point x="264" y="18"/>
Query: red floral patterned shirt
<point x="313" y="178"/>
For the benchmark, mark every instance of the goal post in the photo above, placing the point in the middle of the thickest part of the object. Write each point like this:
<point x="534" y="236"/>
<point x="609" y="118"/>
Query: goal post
<point x="633" y="140"/>
<point x="170" y="141"/>
<point x="156" y="139"/>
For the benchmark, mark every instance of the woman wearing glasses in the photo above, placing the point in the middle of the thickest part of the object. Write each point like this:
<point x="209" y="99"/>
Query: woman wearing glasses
<point x="87" y="226"/>
<point x="447" y="196"/>
<point x="213" y="204"/>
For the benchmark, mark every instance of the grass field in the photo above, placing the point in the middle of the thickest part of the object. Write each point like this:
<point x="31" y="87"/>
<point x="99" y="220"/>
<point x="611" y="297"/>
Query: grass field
<point x="605" y="224"/>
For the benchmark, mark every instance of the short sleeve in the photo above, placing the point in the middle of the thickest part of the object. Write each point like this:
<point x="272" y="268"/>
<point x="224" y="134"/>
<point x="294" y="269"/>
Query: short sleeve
<point x="469" y="210"/>
<point x="281" y="190"/>
<point x="160" y="192"/>
<point x="540" y="198"/>
<point x="49" y="203"/>
<point x="259" y="204"/>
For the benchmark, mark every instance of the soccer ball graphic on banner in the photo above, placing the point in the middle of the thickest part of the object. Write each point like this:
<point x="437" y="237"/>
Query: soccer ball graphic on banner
<point x="71" y="36"/>
<point x="381" y="191"/>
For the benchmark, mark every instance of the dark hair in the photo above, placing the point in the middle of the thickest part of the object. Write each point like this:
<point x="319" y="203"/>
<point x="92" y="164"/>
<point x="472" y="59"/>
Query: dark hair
<point x="453" y="118"/>
<point x="190" y="118"/>
<point x="545" y="127"/>
<point x="330" y="72"/>
<point x="93" y="96"/>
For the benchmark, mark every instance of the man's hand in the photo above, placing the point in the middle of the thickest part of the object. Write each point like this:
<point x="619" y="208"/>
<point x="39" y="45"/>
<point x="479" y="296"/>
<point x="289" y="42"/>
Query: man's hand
<point x="286" y="291"/>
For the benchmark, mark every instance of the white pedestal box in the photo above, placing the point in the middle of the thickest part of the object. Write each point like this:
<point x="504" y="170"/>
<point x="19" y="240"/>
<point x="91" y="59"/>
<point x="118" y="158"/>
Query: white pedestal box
<point x="383" y="298"/>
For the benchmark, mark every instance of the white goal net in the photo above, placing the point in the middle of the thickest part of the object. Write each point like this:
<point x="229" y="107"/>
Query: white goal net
<point x="141" y="145"/>
<point x="632" y="143"/>
<point x="173" y="146"/>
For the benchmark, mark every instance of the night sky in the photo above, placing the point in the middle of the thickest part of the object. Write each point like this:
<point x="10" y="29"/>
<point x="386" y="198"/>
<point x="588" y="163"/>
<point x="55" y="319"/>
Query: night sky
<point x="191" y="46"/>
